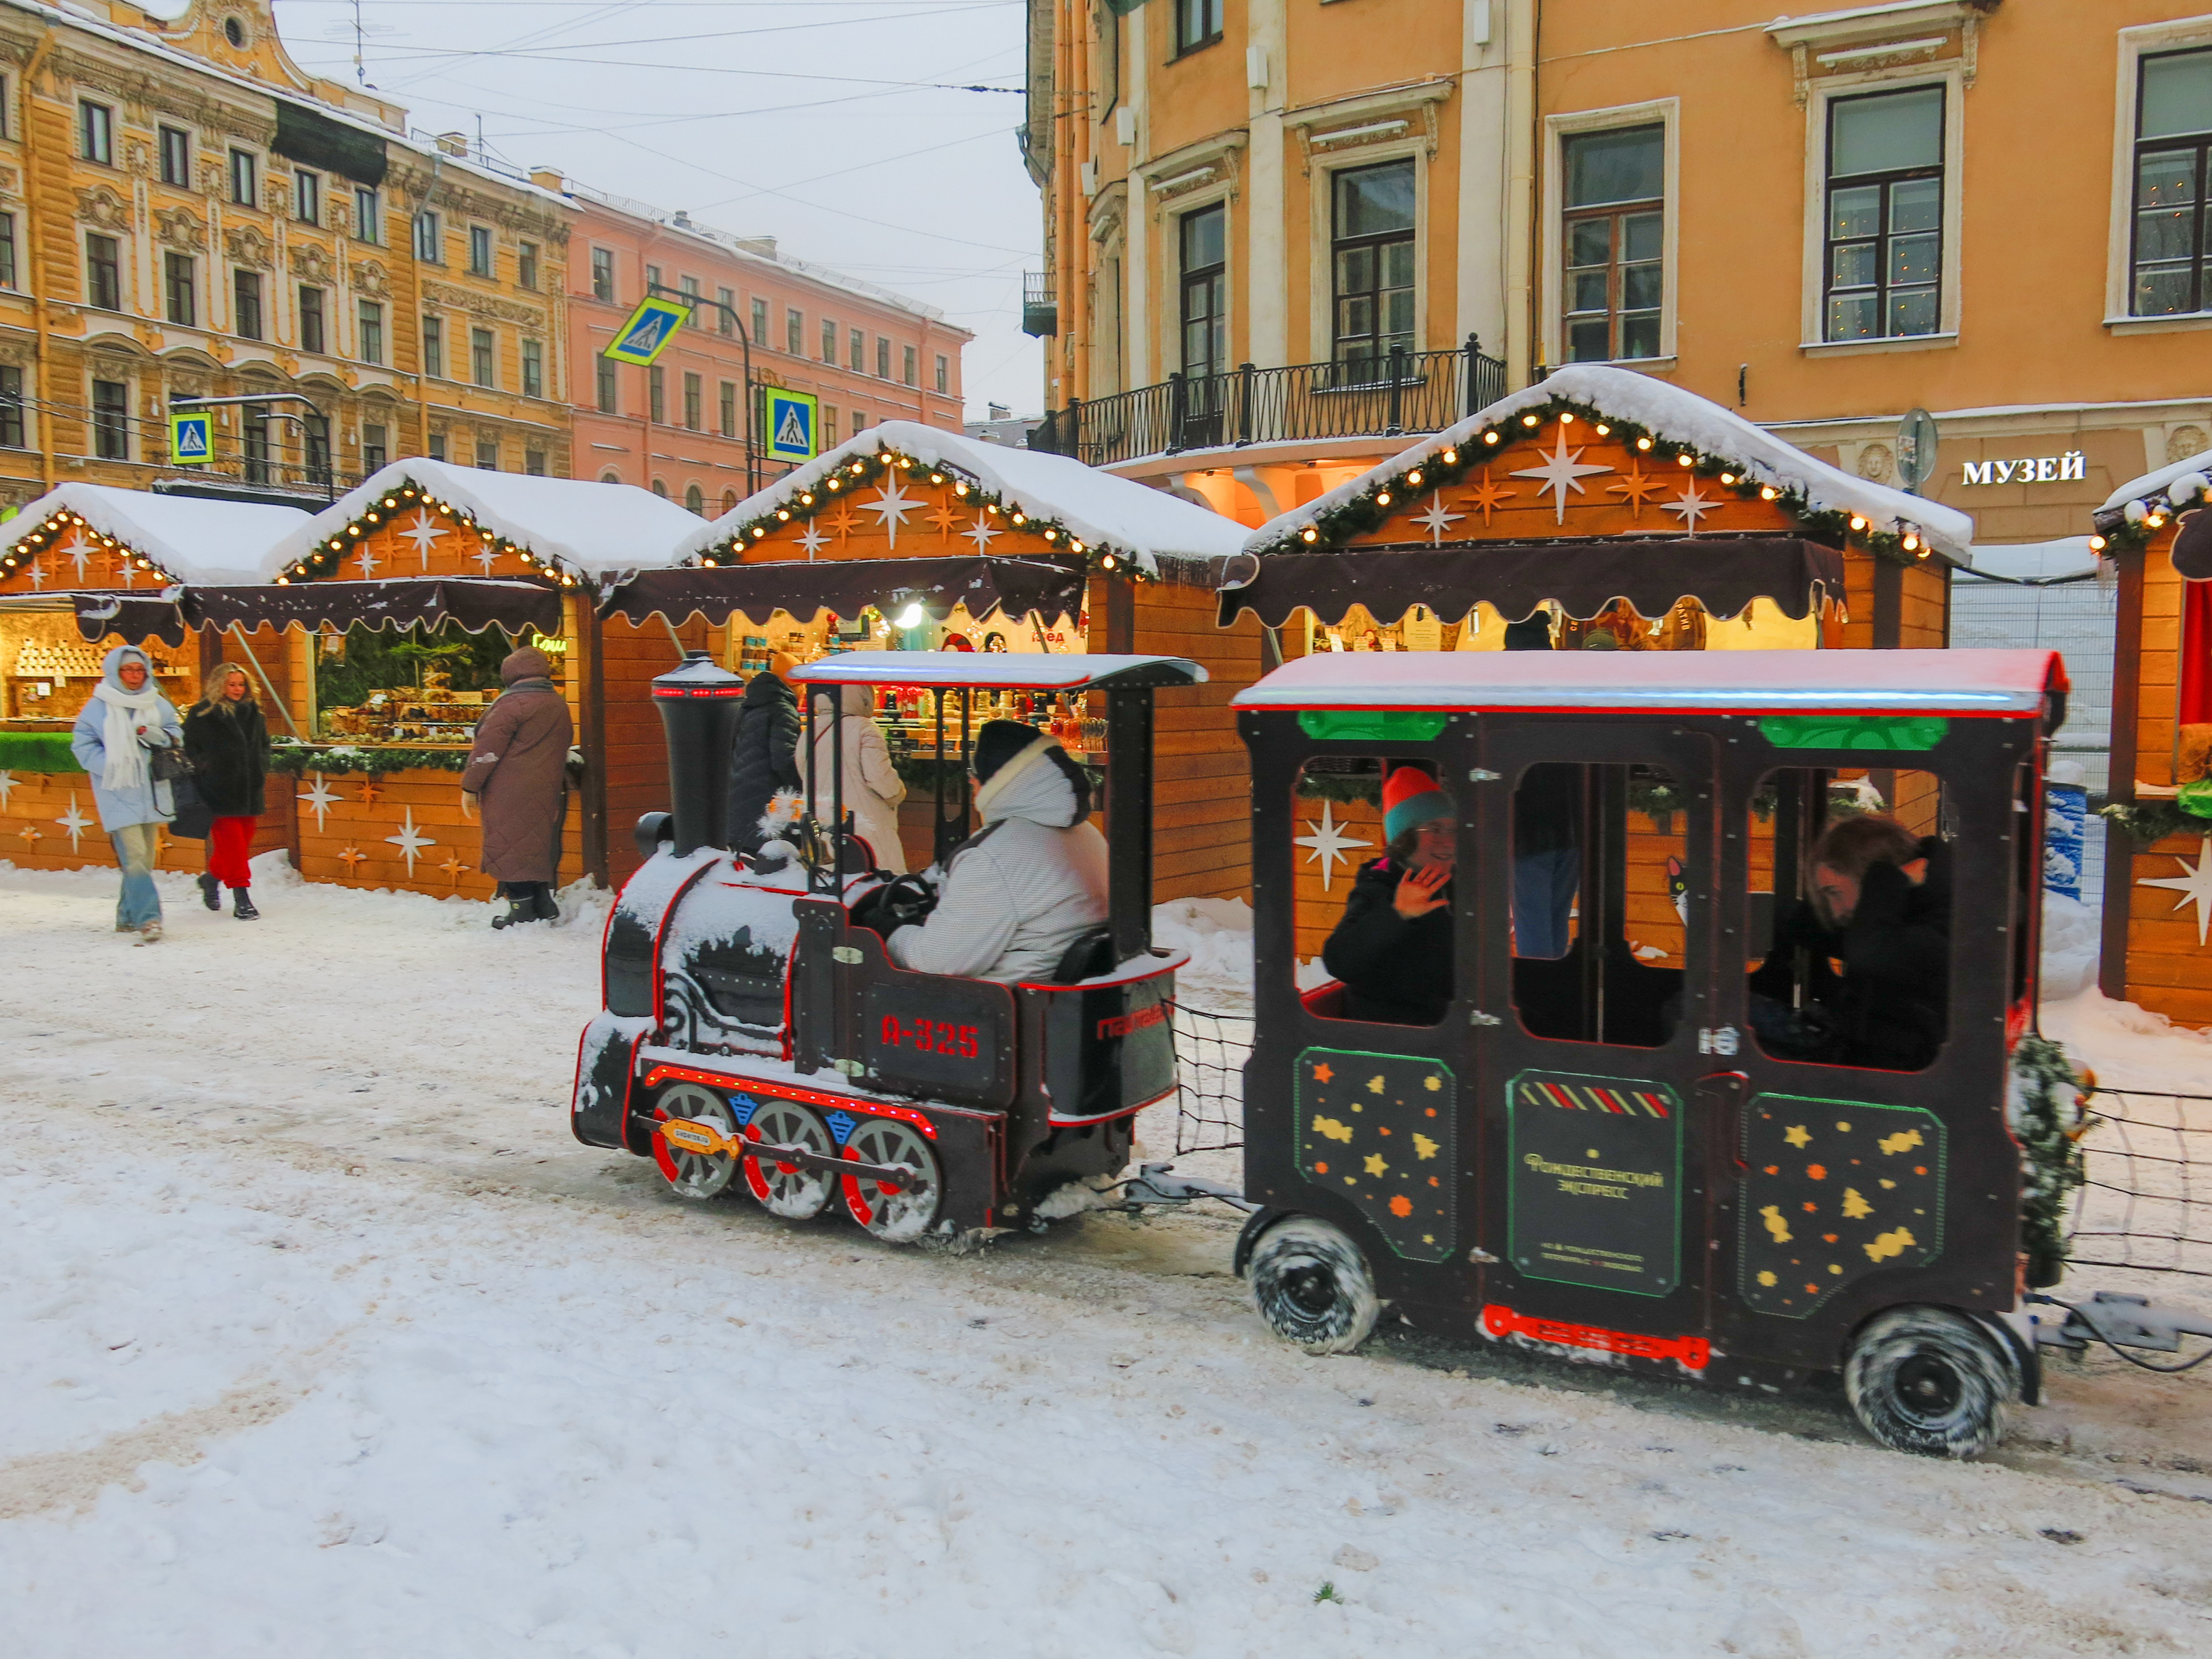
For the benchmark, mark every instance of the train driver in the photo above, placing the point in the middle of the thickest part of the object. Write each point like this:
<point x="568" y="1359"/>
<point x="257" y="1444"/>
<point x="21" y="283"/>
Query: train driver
<point x="1393" y="947"/>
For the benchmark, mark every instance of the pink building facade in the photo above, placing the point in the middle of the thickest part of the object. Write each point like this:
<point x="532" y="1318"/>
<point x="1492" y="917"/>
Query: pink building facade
<point x="679" y="428"/>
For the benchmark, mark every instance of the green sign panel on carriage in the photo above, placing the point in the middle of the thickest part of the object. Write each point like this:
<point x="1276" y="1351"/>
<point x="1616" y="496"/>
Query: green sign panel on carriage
<point x="191" y="439"/>
<point x="647" y="332"/>
<point x="793" y="420"/>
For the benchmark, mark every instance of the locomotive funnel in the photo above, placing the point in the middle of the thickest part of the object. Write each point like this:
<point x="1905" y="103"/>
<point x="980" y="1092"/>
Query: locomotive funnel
<point x="698" y="704"/>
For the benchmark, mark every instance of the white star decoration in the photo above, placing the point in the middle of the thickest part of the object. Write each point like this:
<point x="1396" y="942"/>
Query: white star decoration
<point x="892" y="506"/>
<point x="1329" y="843"/>
<point x="78" y="550"/>
<point x="408" y="841"/>
<point x="813" y="540"/>
<point x="75" y="822"/>
<point x="483" y="557"/>
<point x="37" y="574"/>
<point x="7" y="788"/>
<point x="369" y="561"/>
<point x="2195" y="888"/>
<point x="425" y="534"/>
<point x="320" y="798"/>
<point x="1562" y="472"/>
<point x="1690" y="505"/>
<point x="982" y="535"/>
<point x="1436" y="519"/>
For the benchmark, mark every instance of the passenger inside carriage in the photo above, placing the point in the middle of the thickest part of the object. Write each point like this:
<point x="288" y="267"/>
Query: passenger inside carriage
<point x="1393" y="947"/>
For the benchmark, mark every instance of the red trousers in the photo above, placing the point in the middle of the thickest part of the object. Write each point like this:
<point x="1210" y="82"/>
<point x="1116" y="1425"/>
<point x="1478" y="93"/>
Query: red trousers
<point x="230" y="844"/>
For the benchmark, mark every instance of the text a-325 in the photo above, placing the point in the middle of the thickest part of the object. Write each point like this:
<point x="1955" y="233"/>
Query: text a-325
<point x="931" y="1037"/>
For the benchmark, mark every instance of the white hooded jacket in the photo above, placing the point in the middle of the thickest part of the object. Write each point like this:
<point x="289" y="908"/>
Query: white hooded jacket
<point x="1022" y="889"/>
<point x="873" y="788"/>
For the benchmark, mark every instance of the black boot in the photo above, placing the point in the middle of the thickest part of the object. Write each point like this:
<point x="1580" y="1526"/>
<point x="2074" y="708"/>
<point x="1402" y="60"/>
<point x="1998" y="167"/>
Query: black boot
<point x="517" y="910"/>
<point x="211" y="891"/>
<point x="242" y="905"/>
<point x="543" y="905"/>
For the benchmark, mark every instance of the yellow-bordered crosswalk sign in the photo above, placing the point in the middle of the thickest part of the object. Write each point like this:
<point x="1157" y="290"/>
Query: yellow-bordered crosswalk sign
<point x="191" y="439"/>
<point x="793" y="423"/>
<point x="648" y="332"/>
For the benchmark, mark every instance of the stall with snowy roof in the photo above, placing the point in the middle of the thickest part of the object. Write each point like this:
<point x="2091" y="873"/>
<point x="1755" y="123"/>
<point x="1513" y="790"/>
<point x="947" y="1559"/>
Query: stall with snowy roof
<point x="2154" y="534"/>
<point x="85" y="568"/>
<point x="1601" y="509"/>
<point x="397" y="604"/>
<point x="908" y="537"/>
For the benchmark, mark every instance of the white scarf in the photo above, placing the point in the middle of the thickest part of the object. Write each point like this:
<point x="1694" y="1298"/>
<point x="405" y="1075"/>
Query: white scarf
<point x="125" y="768"/>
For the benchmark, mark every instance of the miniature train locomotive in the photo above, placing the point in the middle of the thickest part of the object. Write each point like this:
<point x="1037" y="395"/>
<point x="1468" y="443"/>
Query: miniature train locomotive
<point x="754" y="1038"/>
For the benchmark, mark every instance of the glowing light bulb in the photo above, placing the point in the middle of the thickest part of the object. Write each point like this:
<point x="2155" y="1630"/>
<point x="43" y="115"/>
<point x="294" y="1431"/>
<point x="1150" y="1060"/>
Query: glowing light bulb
<point x="1911" y="541"/>
<point x="1451" y="457"/>
<point x="1767" y="492"/>
<point x="1528" y="420"/>
<point x="912" y="616"/>
<point x="1383" y="499"/>
<point x="1603" y="429"/>
<point x="1489" y="437"/>
<point x="1414" y="479"/>
<point x="1684" y="460"/>
<point x="1311" y="534"/>
<point x="1566" y="418"/>
<point x="1643" y="443"/>
<point x="1857" y="523"/>
<point x="2096" y="544"/>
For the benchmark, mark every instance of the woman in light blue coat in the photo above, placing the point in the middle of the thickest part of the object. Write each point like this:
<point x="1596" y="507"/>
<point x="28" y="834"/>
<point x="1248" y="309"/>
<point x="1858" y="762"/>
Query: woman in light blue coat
<point x="126" y="719"/>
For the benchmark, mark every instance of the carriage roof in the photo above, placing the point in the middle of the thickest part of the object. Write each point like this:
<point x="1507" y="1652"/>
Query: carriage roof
<point x="1948" y="682"/>
<point x="1001" y="670"/>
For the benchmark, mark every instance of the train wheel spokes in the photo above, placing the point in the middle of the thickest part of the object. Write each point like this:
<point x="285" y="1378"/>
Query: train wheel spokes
<point x="694" y="1176"/>
<point x="897" y="1215"/>
<point x="793" y="1191"/>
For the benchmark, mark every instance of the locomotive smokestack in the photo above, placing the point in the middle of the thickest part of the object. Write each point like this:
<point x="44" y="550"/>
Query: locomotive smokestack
<point x="698" y="705"/>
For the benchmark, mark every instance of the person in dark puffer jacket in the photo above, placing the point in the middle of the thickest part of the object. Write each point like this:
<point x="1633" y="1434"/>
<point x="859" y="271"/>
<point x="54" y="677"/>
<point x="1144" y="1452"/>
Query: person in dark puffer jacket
<point x="764" y="753"/>
<point x="1393" y="947"/>
<point x="228" y="743"/>
<point x="518" y="771"/>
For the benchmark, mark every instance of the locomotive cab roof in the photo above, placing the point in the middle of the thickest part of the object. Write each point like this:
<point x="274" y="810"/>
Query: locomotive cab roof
<point x="997" y="670"/>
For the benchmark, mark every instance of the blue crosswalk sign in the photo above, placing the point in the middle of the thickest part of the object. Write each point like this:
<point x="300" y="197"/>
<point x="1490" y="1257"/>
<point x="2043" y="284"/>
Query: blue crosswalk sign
<point x="794" y="418"/>
<point x="648" y="332"/>
<point x="191" y="439"/>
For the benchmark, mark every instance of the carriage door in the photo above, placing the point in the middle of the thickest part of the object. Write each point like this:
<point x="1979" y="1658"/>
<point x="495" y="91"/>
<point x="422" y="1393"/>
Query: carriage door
<point x="1596" y="1031"/>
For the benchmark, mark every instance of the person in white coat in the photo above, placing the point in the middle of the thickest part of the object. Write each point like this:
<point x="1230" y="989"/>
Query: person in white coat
<point x="1017" y="893"/>
<point x="872" y="787"/>
<point x="126" y="719"/>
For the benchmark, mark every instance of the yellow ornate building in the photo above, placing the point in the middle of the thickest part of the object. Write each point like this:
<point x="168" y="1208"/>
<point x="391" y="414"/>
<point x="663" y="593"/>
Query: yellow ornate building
<point x="184" y="212"/>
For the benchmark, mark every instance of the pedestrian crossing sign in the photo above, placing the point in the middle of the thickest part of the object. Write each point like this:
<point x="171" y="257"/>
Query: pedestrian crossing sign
<point x="793" y="419"/>
<point x="649" y="329"/>
<point x="191" y="439"/>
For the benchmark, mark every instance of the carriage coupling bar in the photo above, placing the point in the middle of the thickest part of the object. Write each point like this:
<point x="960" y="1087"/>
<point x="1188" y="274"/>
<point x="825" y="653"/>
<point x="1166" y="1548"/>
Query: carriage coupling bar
<point x="701" y="1139"/>
<point x="2135" y="1322"/>
<point x="1158" y="1184"/>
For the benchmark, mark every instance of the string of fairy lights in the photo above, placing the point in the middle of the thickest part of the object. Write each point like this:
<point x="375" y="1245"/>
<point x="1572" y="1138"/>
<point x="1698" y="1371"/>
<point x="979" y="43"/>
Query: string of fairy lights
<point x="47" y="538"/>
<point x="329" y="553"/>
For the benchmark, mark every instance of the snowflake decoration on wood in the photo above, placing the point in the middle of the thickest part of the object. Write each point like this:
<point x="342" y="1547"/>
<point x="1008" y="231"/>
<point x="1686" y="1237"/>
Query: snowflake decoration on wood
<point x="408" y="840"/>
<point x="892" y="507"/>
<point x="77" y="552"/>
<point x="1563" y="470"/>
<point x="75" y="822"/>
<point x="981" y="534"/>
<point x="425" y="534"/>
<point x="813" y="540"/>
<point x="319" y="800"/>
<point x="7" y="788"/>
<point x="1690" y="506"/>
<point x="367" y="562"/>
<point x="1436" y="519"/>
<point x="2195" y="886"/>
<point x="1329" y="843"/>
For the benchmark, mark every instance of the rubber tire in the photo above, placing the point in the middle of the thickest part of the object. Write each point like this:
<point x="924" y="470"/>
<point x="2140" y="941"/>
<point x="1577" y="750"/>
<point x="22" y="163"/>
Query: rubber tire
<point x="1931" y="1381"/>
<point x="1312" y="1285"/>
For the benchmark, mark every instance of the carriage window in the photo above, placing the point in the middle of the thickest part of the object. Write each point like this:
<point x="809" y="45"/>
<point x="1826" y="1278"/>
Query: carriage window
<point x="1848" y="942"/>
<point x="1376" y="841"/>
<point x="1600" y="895"/>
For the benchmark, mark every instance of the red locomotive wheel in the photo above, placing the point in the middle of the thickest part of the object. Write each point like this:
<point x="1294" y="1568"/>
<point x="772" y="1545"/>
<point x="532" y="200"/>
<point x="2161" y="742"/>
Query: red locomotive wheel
<point x="694" y="1176"/>
<point x="794" y="1191"/>
<point x="897" y="1216"/>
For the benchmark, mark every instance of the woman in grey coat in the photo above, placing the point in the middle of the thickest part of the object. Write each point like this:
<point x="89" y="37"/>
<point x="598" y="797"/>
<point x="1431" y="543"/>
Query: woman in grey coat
<point x="116" y="734"/>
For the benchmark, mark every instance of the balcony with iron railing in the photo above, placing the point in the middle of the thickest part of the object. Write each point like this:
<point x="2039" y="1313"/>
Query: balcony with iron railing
<point x="1403" y="394"/>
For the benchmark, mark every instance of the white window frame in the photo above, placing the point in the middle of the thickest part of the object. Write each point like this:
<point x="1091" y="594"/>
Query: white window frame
<point x="255" y="164"/>
<point x="1170" y="215"/>
<point x="1667" y="114"/>
<point x="1952" y="77"/>
<point x="2146" y="40"/>
<point x="1321" y="241"/>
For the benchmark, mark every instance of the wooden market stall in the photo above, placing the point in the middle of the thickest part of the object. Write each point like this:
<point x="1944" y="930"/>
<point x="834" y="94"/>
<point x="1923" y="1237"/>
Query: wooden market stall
<point x="87" y="567"/>
<point x="911" y="537"/>
<point x="396" y="606"/>
<point x="2156" y="532"/>
<point x="1597" y="503"/>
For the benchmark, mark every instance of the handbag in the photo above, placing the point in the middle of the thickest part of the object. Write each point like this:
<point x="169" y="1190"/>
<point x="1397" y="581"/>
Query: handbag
<point x="193" y="819"/>
<point x="169" y="765"/>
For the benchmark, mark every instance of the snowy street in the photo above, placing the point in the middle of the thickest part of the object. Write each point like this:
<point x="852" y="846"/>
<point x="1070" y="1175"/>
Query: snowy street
<point x="319" y="1335"/>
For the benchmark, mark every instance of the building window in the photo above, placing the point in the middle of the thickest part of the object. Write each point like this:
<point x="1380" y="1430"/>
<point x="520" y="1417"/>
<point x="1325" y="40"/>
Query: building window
<point x="660" y="488"/>
<point x="694" y="396"/>
<point x="883" y="358"/>
<point x="176" y="146"/>
<point x="111" y="420"/>
<point x="608" y="397"/>
<point x="178" y="291"/>
<point x="689" y="288"/>
<point x="375" y="449"/>
<point x="96" y="131"/>
<point x="7" y="250"/>
<point x="652" y="279"/>
<point x="307" y="197"/>
<point x="794" y="333"/>
<point x="602" y="273"/>
<point x="480" y="251"/>
<point x="1198" y="23"/>
<point x="11" y="407"/>
<point x="245" y="182"/>
<point x="829" y="427"/>
<point x="525" y="265"/>
<point x="311" y="319"/>
<point x="437" y="446"/>
<point x="1372" y="246"/>
<point x="371" y="322"/>
<point x="860" y="420"/>
<point x="1204" y="305"/>
<point x="487" y="454"/>
<point x="695" y="499"/>
<point x="656" y="395"/>
<point x="908" y="359"/>
<point x="429" y="239"/>
<point x="253" y="439"/>
<point x="245" y="304"/>
<point x="483" y="364"/>
<point x="729" y="501"/>
<point x="2173" y="155"/>
<point x="728" y="409"/>
<point x="856" y="351"/>
<point x="610" y="476"/>
<point x="829" y="342"/>
<point x="367" y="215"/>
<point x="943" y="373"/>
<point x="760" y="322"/>
<point x="1885" y="218"/>
<point x="433" y="346"/>
<point x="534" y="463"/>
<point x="1611" y="243"/>
<point x="315" y="445"/>
<point x="103" y="273"/>
<point x="725" y="312"/>
<point x="533" y="368"/>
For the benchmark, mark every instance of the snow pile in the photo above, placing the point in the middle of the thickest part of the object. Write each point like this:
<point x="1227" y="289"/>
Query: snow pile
<point x="208" y="542"/>
<point x="2070" y="946"/>
<point x="2128" y="1045"/>
<point x="1217" y="935"/>
<point x="1679" y="417"/>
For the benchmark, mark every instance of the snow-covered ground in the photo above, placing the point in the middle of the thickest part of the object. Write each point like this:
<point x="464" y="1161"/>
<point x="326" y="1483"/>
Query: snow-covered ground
<point x="320" y="1336"/>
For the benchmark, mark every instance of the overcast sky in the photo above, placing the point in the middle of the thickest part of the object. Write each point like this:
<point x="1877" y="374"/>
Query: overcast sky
<point x="798" y="120"/>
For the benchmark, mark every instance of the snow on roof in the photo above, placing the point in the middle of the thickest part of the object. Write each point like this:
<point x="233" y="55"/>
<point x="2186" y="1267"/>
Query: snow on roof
<point x="1948" y="682"/>
<point x="2178" y="483"/>
<point x="194" y="540"/>
<point x="2067" y="555"/>
<point x="1667" y="412"/>
<point x="1097" y="509"/>
<point x="595" y="528"/>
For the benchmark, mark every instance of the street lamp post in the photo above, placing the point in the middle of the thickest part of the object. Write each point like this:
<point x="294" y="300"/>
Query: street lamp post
<point x="693" y="301"/>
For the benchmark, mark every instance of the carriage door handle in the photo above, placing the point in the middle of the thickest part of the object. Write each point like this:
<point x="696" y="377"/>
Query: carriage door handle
<point x="1723" y="1093"/>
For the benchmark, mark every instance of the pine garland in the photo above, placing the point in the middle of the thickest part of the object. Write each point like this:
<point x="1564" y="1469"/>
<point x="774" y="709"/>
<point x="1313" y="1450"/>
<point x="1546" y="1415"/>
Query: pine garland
<point x="2048" y="1108"/>
<point x="2150" y="822"/>
<point x="297" y="759"/>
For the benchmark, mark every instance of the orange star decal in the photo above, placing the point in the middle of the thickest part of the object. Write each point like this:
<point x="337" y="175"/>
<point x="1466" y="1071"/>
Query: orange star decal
<point x="1322" y="1074"/>
<point x="1488" y="496"/>
<point x="843" y="522"/>
<point x="1637" y="488"/>
<point x="370" y="793"/>
<point x="354" y="858"/>
<point x="945" y="517"/>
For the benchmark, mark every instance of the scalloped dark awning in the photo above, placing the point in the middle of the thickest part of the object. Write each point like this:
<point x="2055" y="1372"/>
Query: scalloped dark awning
<point x="1723" y="574"/>
<point x="474" y="603"/>
<point x="847" y="586"/>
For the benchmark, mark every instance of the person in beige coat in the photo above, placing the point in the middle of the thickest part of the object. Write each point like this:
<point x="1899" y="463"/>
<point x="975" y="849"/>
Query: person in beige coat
<point x="518" y="775"/>
<point x="873" y="788"/>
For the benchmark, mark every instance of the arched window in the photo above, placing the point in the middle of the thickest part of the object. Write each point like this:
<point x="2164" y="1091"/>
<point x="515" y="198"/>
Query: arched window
<point x="610" y="476"/>
<point x="660" y="488"/>
<point x="729" y="501"/>
<point x="695" y="501"/>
